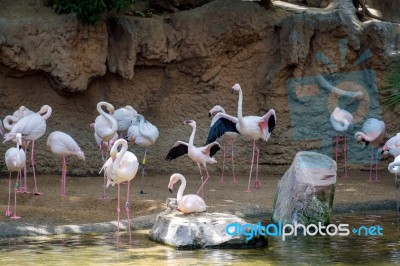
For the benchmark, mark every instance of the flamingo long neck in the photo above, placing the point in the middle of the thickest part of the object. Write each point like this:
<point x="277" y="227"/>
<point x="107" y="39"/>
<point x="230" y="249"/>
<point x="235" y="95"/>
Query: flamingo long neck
<point x="47" y="109"/>
<point x="107" y="116"/>
<point x="120" y="154"/>
<point x="182" y="187"/>
<point x="191" y="140"/>
<point x="239" y="112"/>
<point x="364" y="136"/>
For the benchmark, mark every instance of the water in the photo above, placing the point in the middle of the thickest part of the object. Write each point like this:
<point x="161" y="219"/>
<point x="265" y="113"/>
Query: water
<point x="95" y="249"/>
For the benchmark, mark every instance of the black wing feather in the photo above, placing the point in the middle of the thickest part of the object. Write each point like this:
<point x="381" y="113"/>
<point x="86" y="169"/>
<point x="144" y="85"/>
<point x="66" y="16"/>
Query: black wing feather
<point x="271" y="123"/>
<point x="176" y="152"/>
<point x="214" y="150"/>
<point x="221" y="126"/>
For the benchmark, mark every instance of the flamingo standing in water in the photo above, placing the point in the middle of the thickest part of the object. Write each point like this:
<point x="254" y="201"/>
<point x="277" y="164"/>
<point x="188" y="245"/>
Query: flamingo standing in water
<point x="105" y="127"/>
<point x="341" y="120"/>
<point x="124" y="117"/>
<point x="15" y="160"/>
<point x="372" y="133"/>
<point x="251" y="127"/>
<point x="119" y="168"/>
<point x="226" y="138"/>
<point x="394" y="168"/>
<point x="188" y="203"/>
<point x="31" y="127"/>
<point x="200" y="155"/>
<point x="63" y="144"/>
<point x="142" y="133"/>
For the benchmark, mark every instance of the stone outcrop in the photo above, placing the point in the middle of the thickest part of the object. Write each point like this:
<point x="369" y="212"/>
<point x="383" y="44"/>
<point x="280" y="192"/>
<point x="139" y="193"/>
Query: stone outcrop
<point x="306" y="191"/>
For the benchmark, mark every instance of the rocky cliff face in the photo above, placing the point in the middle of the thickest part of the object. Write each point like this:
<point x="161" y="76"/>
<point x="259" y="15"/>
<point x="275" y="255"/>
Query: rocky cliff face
<point x="178" y="66"/>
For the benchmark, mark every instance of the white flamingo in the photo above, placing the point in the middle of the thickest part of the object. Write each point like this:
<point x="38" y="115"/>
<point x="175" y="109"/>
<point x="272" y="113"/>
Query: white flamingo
<point x="392" y="146"/>
<point x="251" y="127"/>
<point x="188" y="203"/>
<point x="394" y="168"/>
<point x="119" y="168"/>
<point x="200" y="155"/>
<point x="31" y="127"/>
<point x="144" y="134"/>
<point x="228" y="138"/>
<point x="341" y="120"/>
<point x="15" y="160"/>
<point x="105" y="127"/>
<point x="63" y="145"/>
<point x="124" y="117"/>
<point x="372" y="133"/>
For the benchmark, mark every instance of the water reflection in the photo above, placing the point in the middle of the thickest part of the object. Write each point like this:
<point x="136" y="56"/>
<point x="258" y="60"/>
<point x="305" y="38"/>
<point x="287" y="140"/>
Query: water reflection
<point x="96" y="249"/>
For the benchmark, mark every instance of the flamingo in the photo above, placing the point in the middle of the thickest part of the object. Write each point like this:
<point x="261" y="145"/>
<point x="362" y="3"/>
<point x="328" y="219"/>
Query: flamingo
<point x="142" y="133"/>
<point x="341" y="120"/>
<point x="200" y="155"/>
<point x="188" y="203"/>
<point x="251" y="127"/>
<point x="63" y="144"/>
<point x="31" y="127"/>
<point x="392" y="146"/>
<point x="124" y="117"/>
<point x="372" y="133"/>
<point x="99" y="143"/>
<point x="227" y="138"/>
<point x="394" y="168"/>
<point x="121" y="167"/>
<point x="15" y="160"/>
<point x="105" y="127"/>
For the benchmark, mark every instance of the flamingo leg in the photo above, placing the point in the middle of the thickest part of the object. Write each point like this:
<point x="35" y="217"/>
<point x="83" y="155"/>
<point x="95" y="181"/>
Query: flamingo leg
<point x="337" y="147"/>
<point x="24" y="188"/>
<point x="396" y="187"/>
<point x="143" y="171"/>
<point x="201" y="187"/>
<point x="127" y="211"/>
<point x="251" y="167"/>
<point x="118" y="209"/>
<point x="257" y="183"/>
<point x="345" y="154"/>
<point x="63" y="175"/>
<point x="233" y="164"/>
<point x="8" y="210"/>
<point x="223" y="166"/>
<point x="376" y="166"/>
<point x="33" y="169"/>
<point x="15" y="217"/>
<point x="370" y="169"/>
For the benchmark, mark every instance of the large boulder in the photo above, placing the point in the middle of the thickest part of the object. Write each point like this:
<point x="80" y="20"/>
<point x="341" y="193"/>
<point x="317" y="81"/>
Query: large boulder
<point x="305" y="192"/>
<point x="202" y="230"/>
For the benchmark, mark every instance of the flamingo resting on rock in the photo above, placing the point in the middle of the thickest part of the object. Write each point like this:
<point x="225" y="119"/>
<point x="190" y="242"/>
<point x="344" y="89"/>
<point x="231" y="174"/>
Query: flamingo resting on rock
<point x="394" y="168"/>
<point x="63" y="145"/>
<point x="341" y="120"/>
<point x="119" y="168"/>
<point x="188" y="203"/>
<point x="144" y="134"/>
<point x="228" y="138"/>
<point x="31" y="127"/>
<point x="200" y="155"/>
<point x="372" y="133"/>
<point x="15" y="160"/>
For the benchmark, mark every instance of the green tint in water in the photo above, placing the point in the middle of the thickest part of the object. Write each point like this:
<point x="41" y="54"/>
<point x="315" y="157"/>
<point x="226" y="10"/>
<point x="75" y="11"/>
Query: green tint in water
<point x="317" y="250"/>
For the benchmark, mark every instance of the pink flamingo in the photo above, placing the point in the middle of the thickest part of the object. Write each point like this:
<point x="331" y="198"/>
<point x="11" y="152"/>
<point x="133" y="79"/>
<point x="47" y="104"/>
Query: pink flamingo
<point x="31" y="127"/>
<point x="226" y="138"/>
<point x="392" y="146"/>
<point x="119" y="168"/>
<point x="63" y="144"/>
<point x="372" y="133"/>
<point x="251" y="127"/>
<point x="394" y="168"/>
<point x="341" y="120"/>
<point x="144" y="134"/>
<point x="200" y="155"/>
<point x="124" y="117"/>
<point x="15" y="160"/>
<point x="105" y="127"/>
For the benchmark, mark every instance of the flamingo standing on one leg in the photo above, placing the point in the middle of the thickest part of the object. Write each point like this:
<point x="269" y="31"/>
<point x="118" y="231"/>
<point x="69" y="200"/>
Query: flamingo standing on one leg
<point x="124" y="117"/>
<point x="188" y="203"/>
<point x="144" y="134"/>
<point x="341" y="120"/>
<point x="372" y="133"/>
<point x="121" y="167"/>
<point x="227" y="138"/>
<point x="15" y="160"/>
<point x="200" y="155"/>
<point x="251" y="127"/>
<point x="105" y="128"/>
<point x="31" y="127"/>
<point x="63" y="144"/>
<point x="394" y="168"/>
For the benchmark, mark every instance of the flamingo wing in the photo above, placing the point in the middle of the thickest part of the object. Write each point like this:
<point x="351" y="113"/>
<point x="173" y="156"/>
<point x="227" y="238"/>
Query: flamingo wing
<point x="269" y="119"/>
<point x="222" y="125"/>
<point x="211" y="148"/>
<point x="180" y="148"/>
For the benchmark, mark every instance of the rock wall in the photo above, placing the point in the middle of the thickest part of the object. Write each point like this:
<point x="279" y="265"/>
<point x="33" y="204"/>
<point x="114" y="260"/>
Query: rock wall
<point x="174" y="67"/>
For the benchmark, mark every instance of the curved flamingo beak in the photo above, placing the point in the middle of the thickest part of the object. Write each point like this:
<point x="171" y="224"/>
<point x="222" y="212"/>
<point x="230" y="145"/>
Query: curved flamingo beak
<point x="209" y="114"/>
<point x="232" y="90"/>
<point x="170" y="186"/>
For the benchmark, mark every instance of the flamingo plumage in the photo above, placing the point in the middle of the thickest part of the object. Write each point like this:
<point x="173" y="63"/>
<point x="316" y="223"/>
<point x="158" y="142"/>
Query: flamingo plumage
<point x="124" y="117"/>
<point x="394" y="168"/>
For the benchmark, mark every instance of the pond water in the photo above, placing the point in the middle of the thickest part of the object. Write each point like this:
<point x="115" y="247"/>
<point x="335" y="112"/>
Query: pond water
<point x="102" y="249"/>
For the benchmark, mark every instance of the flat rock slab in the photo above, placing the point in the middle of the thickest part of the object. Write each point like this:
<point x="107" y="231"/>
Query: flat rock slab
<point x="200" y="230"/>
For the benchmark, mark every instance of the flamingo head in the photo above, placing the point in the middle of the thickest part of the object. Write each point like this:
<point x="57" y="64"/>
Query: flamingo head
<point x="235" y="88"/>
<point x="216" y="109"/>
<point x="172" y="180"/>
<point x="189" y="122"/>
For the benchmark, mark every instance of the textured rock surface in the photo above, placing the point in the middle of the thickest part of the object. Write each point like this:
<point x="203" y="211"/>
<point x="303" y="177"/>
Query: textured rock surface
<point x="305" y="192"/>
<point x="199" y="230"/>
